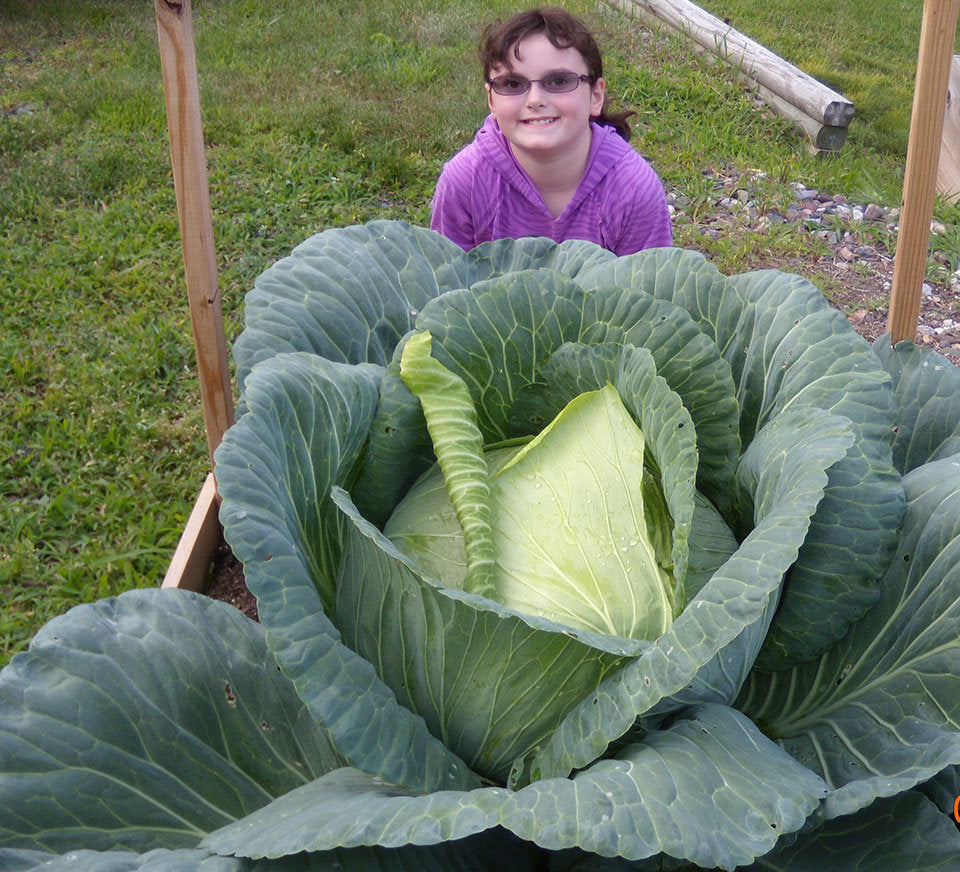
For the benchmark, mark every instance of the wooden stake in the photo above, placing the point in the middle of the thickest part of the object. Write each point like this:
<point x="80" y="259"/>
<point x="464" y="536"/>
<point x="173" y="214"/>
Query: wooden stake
<point x="948" y="171"/>
<point x="182" y="92"/>
<point x="178" y="58"/>
<point x="926" y="130"/>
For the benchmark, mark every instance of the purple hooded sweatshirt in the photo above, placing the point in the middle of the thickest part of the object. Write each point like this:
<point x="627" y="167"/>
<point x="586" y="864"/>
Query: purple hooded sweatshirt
<point x="484" y="194"/>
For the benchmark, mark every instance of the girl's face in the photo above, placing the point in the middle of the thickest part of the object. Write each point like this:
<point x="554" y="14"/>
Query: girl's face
<point x="537" y="123"/>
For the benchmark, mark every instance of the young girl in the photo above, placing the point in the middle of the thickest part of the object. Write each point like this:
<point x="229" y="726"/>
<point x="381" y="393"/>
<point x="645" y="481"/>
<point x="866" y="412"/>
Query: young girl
<point x="548" y="161"/>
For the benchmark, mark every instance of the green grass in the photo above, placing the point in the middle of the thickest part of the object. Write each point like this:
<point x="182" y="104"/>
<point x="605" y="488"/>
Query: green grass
<point x="316" y="114"/>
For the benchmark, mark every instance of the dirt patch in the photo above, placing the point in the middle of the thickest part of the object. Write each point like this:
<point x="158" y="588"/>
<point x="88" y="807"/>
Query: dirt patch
<point x="227" y="583"/>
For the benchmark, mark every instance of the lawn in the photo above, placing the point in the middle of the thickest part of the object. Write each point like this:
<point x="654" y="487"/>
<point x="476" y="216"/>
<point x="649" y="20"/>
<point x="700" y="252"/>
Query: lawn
<point x="316" y="114"/>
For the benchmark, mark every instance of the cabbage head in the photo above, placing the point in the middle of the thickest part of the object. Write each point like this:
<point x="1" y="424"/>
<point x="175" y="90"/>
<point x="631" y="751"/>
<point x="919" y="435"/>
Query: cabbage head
<point x="563" y="561"/>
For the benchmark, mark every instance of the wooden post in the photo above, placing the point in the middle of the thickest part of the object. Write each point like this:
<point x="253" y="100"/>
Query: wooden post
<point x="926" y="130"/>
<point x="948" y="171"/>
<point x="202" y="534"/>
<point x="182" y="93"/>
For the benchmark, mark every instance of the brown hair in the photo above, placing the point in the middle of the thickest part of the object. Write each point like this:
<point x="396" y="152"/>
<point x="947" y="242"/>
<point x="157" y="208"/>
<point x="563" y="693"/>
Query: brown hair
<point x="502" y="38"/>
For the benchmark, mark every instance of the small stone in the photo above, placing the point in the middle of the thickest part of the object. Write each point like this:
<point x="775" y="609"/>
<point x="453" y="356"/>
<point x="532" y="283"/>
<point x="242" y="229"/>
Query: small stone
<point x="22" y="110"/>
<point x="858" y="316"/>
<point x="839" y="198"/>
<point x="887" y="286"/>
<point x="874" y="212"/>
<point x="844" y="211"/>
<point x="924" y="330"/>
<point x="846" y="254"/>
<point x="927" y="339"/>
<point x="866" y="251"/>
<point x="792" y="214"/>
<point x="857" y="214"/>
<point x="947" y="323"/>
<point x="937" y="228"/>
<point x="809" y="203"/>
<point x="774" y="217"/>
<point x="926" y="289"/>
<point x="806" y="194"/>
<point x="893" y="213"/>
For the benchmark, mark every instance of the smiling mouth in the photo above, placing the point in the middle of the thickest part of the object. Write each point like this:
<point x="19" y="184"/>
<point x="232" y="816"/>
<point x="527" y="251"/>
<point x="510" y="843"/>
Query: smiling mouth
<point x="539" y="122"/>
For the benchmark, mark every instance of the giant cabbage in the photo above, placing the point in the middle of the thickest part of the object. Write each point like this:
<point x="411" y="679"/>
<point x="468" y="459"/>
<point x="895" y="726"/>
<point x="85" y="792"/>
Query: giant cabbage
<point x="562" y="560"/>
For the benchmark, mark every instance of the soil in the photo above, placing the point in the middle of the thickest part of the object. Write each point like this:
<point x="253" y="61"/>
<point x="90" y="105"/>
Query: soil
<point x="227" y="583"/>
<point x="856" y="267"/>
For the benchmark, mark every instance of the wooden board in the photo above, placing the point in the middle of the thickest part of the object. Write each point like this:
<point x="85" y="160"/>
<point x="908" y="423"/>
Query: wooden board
<point x="948" y="171"/>
<point x="201" y="537"/>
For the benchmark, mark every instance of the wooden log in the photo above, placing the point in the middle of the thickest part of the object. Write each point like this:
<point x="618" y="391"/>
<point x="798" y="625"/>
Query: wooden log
<point x="948" y="169"/>
<point x="823" y="138"/>
<point x="182" y="94"/>
<point x="937" y="32"/>
<point x="201" y="537"/>
<point x="821" y="112"/>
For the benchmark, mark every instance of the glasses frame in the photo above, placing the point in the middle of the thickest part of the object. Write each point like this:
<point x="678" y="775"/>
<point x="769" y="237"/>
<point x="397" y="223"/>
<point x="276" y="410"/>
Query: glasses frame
<point x="579" y="77"/>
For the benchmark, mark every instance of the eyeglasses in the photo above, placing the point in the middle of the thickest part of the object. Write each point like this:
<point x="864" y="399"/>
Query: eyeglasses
<point x="559" y="82"/>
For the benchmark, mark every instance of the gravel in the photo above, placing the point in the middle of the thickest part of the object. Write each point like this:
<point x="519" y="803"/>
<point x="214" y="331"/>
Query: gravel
<point x="860" y="239"/>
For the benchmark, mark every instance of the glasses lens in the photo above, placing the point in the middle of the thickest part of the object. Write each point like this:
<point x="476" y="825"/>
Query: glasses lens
<point x="560" y="83"/>
<point x="508" y="85"/>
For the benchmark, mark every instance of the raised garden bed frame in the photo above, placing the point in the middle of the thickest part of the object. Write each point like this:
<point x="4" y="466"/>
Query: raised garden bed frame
<point x="202" y="534"/>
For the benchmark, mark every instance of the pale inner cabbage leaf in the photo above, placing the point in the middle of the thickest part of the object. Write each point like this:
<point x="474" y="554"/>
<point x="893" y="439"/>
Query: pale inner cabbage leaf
<point x="580" y="532"/>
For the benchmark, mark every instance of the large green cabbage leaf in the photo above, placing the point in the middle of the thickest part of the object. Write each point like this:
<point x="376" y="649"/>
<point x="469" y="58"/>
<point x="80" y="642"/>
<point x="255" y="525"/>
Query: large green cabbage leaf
<point x="796" y="711"/>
